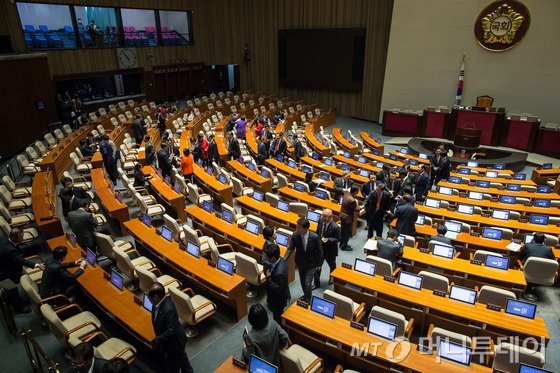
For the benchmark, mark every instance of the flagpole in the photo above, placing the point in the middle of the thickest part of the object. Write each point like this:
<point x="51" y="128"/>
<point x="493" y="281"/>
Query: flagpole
<point x="459" y="95"/>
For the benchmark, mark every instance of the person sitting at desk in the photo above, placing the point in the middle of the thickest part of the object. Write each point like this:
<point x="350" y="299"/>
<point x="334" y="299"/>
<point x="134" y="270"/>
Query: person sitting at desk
<point x="140" y="180"/>
<point x="56" y="278"/>
<point x="537" y="248"/>
<point x="70" y="199"/>
<point x="390" y="248"/>
<point x="82" y="360"/>
<point x="309" y="181"/>
<point x="440" y="237"/>
<point x="85" y="149"/>
<point x="266" y="337"/>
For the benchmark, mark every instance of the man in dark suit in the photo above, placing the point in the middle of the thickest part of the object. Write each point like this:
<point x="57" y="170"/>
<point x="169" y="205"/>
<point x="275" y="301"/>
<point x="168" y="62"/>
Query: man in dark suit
<point x="422" y="184"/>
<point x="409" y="179"/>
<point x="149" y="150"/>
<point x="369" y="187"/>
<point x="309" y="255"/>
<point x="390" y="248"/>
<point x="393" y="186"/>
<point x="277" y="290"/>
<point x="139" y="129"/>
<point x="383" y="174"/>
<point x="83" y="223"/>
<point x="234" y="151"/>
<point x="70" y="198"/>
<point x="82" y="360"/>
<point x="278" y="145"/>
<point x="342" y="184"/>
<point x="440" y="237"/>
<point x="537" y="248"/>
<point x="377" y="205"/>
<point x="163" y="161"/>
<point x="170" y="338"/>
<point x="161" y="122"/>
<point x="56" y="278"/>
<point x="406" y="216"/>
<point x="348" y="208"/>
<point x="329" y="233"/>
<point x="213" y="155"/>
<point x="444" y="169"/>
<point x="261" y="151"/>
<point x="435" y="163"/>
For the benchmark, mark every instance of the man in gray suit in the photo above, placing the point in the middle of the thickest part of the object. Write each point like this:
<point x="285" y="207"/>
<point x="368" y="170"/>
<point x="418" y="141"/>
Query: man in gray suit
<point x="441" y="231"/>
<point x="342" y="184"/>
<point x="390" y="248"/>
<point x="83" y="223"/>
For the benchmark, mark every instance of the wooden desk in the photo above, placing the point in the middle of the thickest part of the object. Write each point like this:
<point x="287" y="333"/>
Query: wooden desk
<point x="345" y="144"/>
<point x="427" y="307"/>
<point x="227" y="289"/>
<point x="480" y="221"/>
<point x="314" y="142"/>
<point x="332" y="170"/>
<point x="155" y="139"/>
<point x="118" y="305"/>
<point x="241" y="240"/>
<point x="335" y="337"/>
<point x="118" y="211"/>
<point x="482" y="170"/>
<point x="489" y="122"/>
<point x="228" y="367"/>
<point x="540" y="176"/>
<point x="293" y="174"/>
<point x="251" y="178"/>
<point x="57" y="160"/>
<point x="370" y="142"/>
<point x="355" y="164"/>
<point x="166" y="193"/>
<point x="43" y="202"/>
<point x="211" y="185"/>
<point x="500" y="192"/>
<point x="494" y="180"/>
<point x="410" y="156"/>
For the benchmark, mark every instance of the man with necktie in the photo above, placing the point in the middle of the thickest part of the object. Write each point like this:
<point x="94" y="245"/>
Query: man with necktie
<point x="329" y="233"/>
<point x="377" y="205"/>
<point x="342" y="184"/>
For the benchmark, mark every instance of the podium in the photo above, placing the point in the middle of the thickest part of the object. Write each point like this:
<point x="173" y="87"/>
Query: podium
<point x="467" y="137"/>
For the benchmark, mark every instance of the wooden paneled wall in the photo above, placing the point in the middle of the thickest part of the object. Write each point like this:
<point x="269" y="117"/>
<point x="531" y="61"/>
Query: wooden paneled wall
<point x="221" y="29"/>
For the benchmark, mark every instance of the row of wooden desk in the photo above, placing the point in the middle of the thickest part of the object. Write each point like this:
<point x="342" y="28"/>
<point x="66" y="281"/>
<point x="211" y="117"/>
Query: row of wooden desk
<point x="211" y="185"/>
<point x="166" y="193"/>
<point x="117" y="135"/>
<point x="500" y="192"/>
<point x="117" y="210"/>
<point x="43" y="202"/>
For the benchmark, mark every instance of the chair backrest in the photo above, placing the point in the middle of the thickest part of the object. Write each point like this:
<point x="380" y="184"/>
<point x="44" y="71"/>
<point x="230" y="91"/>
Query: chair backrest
<point x="214" y="252"/>
<point x="508" y="357"/>
<point x="22" y="161"/>
<point x="124" y="264"/>
<point x="5" y="214"/>
<point x="9" y="183"/>
<point x="190" y="235"/>
<point x="271" y="199"/>
<point x="540" y="271"/>
<point x="145" y="278"/>
<point x="493" y="295"/>
<point x="32" y="291"/>
<point x="183" y="304"/>
<point x="299" y="208"/>
<point x="192" y="193"/>
<point x="290" y="361"/>
<point x="383" y="267"/>
<point x="444" y="334"/>
<point x="484" y="101"/>
<point x="344" y="304"/>
<point x="41" y="147"/>
<point x="55" y="324"/>
<point x="409" y="241"/>
<point x="31" y="153"/>
<point x="390" y="316"/>
<point x="105" y="245"/>
<point x="5" y="194"/>
<point x="112" y="108"/>
<point x="50" y="139"/>
<point x="237" y="186"/>
<point x="480" y="255"/>
<point x="433" y="281"/>
<point x="247" y="267"/>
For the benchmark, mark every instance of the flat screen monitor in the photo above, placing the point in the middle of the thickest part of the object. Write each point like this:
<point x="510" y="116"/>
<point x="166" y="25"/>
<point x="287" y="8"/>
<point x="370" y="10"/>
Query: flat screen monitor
<point x="344" y="166"/>
<point x="167" y="179"/>
<point x="292" y="163"/>
<point x="365" y="267"/>
<point x="519" y="308"/>
<point x="241" y="160"/>
<point x="313" y="216"/>
<point x="445" y="190"/>
<point x="383" y="329"/>
<point x="465" y="209"/>
<point x="322" y="306"/>
<point x="159" y="172"/>
<point x="283" y="206"/>
<point x="376" y="152"/>
<point x="146" y="220"/>
<point x="434" y="203"/>
<point x="193" y="249"/>
<point x="305" y="169"/>
<point x="177" y="188"/>
<point x="499" y="166"/>
<point x="410" y="280"/>
<point x="401" y="239"/>
<point x="117" y="280"/>
<point x="444" y="251"/>
<point x="528" y="237"/>
<point x="322" y="194"/>
<point x="327" y="161"/>
<point x="90" y="257"/>
<point x="413" y="162"/>
<point x="483" y="184"/>
<point x="315" y="156"/>
<point x="499" y="262"/>
<point x="510" y="200"/>
<point x="453" y="226"/>
<point x="472" y="164"/>
<point x="298" y="187"/>
<point x="455" y="180"/>
<point x="362" y="159"/>
<point x="492" y="174"/>
<point x="399" y="169"/>
<point x="547" y="166"/>
<point x="264" y="173"/>
<point x="346" y="154"/>
<point x="200" y="162"/>
<point x="166" y="233"/>
<point x="280" y="158"/>
<point x="282" y="239"/>
<point x="120" y="197"/>
<point x="539" y="219"/>
<point x="207" y="206"/>
<point x="465" y="171"/>
<point x="524" y="368"/>
<point x="420" y="220"/>
<point x="513" y="187"/>
<point x="71" y="239"/>
<point x="324" y="176"/>
<point x="146" y="303"/>
<point x="225" y="266"/>
<point x="393" y="157"/>
<point x="379" y="164"/>
<point x="539" y="202"/>
<point x="222" y="179"/>
<point x="257" y="196"/>
<point x="462" y="294"/>
<point x="543" y="189"/>
<point x="227" y="216"/>
<point x="251" y="166"/>
<point x="500" y="214"/>
<point x="423" y="156"/>
<point x="258" y="365"/>
<point x="404" y="151"/>
<point x="491" y="233"/>
<point x="519" y="176"/>
<point x="475" y="195"/>
<point x="210" y="171"/>
<point x="252" y="227"/>
<point x="364" y="173"/>
<point x="455" y="352"/>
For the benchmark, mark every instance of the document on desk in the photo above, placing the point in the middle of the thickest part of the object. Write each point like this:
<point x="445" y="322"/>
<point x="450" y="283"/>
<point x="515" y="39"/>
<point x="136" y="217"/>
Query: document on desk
<point x="141" y="149"/>
<point x="512" y="246"/>
<point x="370" y="245"/>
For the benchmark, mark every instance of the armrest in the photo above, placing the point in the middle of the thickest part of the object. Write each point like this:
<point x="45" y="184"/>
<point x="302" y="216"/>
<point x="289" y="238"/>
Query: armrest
<point x="146" y="262"/>
<point x="409" y="328"/>
<point x="316" y="362"/>
<point x="430" y="330"/>
<point x="68" y="307"/>
<point x="457" y="254"/>
<point x="204" y="305"/>
<point x="75" y="329"/>
<point x="360" y="312"/>
<point x="520" y="264"/>
<point x="396" y="271"/>
<point x="155" y="270"/>
<point x="56" y="296"/>
<point x="34" y="257"/>
<point x="124" y="351"/>
<point x="98" y="333"/>
<point x="198" y="232"/>
<point x="188" y="291"/>
<point x="471" y="256"/>
<point x="226" y="245"/>
<point x="79" y="177"/>
<point x="171" y="281"/>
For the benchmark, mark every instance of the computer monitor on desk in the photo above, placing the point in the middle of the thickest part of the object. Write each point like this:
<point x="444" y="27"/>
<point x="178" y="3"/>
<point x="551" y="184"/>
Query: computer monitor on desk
<point x="365" y="267"/>
<point x="292" y="163"/>
<point x="283" y="205"/>
<point x="491" y="174"/>
<point x="431" y="202"/>
<point x="207" y="206"/>
<point x="465" y="209"/>
<point x="492" y="233"/>
<point x="524" y="368"/>
<point x="361" y="159"/>
<point x="454" y="352"/>
<point x="510" y="200"/>
<point x="483" y="184"/>
<point x="146" y="303"/>
<point x="547" y="166"/>
<point x="455" y="180"/>
<point x="328" y="161"/>
<point x="381" y="328"/>
<point x="420" y="220"/>
<point x="519" y="308"/>
<point x="513" y="187"/>
<point x="117" y="280"/>
<point x="540" y="202"/>
<point x="445" y="190"/>
<point x="167" y="234"/>
<point x="473" y="164"/>
<point x="519" y="176"/>
<point x="315" y="156"/>
<point x="364" y="173"/>
<point x="225" y="266"/>
<point x="444" y="251"/>
<point x="321" y="193"/>
<point x="227" y="216"/>
<point x="462" y="294"/>
<point x="313" y="216"/>
<point x="193" y="249"/>
<point x="258" y="365"/>
<point x="465" y="171"/>
<point x="252" y="227"/>
<point x="476" y="195"/>
<point x="500" y="214"/>
<point x="282" y="239"/>
<point x="257" y="196"/>
<point x="545" y="189"/>
<point x="323" y="307"/>
<point x="410" y="280"/>
<point x="539" y="219"/>
<point x="498" y="262"/>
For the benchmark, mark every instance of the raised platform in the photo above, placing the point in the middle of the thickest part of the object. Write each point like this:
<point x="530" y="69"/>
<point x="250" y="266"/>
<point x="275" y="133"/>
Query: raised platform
<point x="486" y="155"/>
